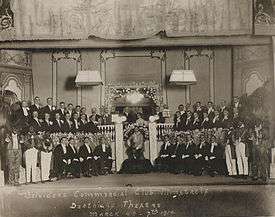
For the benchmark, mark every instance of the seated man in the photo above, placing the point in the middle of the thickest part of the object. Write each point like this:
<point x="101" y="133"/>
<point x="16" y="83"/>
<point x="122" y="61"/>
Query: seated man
<point x="60" y="161"/>
<point x="73" y="158"/>
<point x="215" y="164"/>
<point x="103" y="156"/>
<point x="87" y="158"/>
<point x="199" y="156"/>
<point x="90" y="126"/>
<point x="185" y="154"/>
<point x="163" y="161"/>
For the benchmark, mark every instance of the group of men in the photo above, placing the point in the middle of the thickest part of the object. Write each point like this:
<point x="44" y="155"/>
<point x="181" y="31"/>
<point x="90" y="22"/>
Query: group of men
<point x="64" y="119"/>
<point x="211" y="139"/>
<point x="67" y="157"/>
<point x="209" y="116"/>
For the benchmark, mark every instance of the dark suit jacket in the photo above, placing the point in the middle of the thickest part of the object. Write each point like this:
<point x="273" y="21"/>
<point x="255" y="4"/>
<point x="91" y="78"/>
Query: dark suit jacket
<point x="72" y="154"/>
<point x="184" y="150"/>
<point x="99" y="152"/>
<point x="215" y="123"/>
<point x="56" y="128"/>
<point x="46" y="109"/>
<point x="62" y="114"/>
<point x="66" y="127"/>
<point x="35" y="108"/>
<point x="36" y="125"/>
<point x="83" y="152"/>
<point x="46" y="127"/>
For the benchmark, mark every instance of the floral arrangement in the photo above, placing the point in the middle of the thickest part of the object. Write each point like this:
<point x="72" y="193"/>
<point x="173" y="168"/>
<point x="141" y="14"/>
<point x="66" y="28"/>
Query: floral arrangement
<point x="150" y="90"/>
<point x="129" y="130"/>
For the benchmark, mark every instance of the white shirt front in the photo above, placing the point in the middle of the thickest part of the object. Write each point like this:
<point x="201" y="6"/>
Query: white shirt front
<point x="103" y="147"/>
<point x="25" y="111"/>
<point x="64" y="149"/>
<point x="88" y="148"/>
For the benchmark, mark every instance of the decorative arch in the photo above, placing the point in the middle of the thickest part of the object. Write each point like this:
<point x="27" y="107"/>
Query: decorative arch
<point x="14" y="85"/>
<point x="252" y="81"/>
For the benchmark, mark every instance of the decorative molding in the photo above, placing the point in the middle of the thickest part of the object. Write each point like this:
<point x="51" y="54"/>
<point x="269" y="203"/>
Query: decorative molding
<point x="16" y="58"/>
<point x="250" y="53"/>
<point x="56" y="57"/>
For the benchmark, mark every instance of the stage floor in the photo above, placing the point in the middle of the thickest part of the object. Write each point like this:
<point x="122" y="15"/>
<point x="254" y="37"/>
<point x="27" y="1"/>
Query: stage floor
<point x="143" y="180"/>
<point x="140" y="195"/>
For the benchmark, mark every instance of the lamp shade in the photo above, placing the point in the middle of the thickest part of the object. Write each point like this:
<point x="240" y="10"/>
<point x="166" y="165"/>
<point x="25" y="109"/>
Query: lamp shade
<point x="183" y="77"/>
<point x="88" y="78"/>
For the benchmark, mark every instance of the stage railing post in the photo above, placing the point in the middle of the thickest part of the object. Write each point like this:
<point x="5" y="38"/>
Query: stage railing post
<point x="153" y="141"/>
<point x="119" y="142"/>
<point x="272" y="165"/>
<point x="2" y="180"/>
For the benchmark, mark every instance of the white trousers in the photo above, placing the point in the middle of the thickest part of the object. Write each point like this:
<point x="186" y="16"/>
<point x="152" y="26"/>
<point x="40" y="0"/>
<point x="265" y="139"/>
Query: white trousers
<point x="230" y="162"/>
<point x="45" y="165"/>
<point x="31" y="162"/>
<point x="242" y="160"/>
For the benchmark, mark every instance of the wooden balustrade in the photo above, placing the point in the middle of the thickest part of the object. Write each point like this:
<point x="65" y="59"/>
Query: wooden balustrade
<point x="108" y="130"/>
<point x="163" y="129"/>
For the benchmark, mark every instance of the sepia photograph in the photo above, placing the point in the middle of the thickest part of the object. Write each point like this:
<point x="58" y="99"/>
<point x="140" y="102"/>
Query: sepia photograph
<point x="137" y="108"/>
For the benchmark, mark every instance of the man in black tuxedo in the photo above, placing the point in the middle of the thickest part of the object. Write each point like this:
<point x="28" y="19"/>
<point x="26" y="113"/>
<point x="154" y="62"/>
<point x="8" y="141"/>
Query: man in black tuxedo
<point x="185" y="154"/>
<point x="67" y="126"/>
<point x="216" y="121"/>
<point x="87" y="158"/>
<point x="47" y="124"/>
<point x="215" y="164"/>
<point x="226" y="122"/>
<point x="103" y="156"/>
<point x="73" y="158"/>
<point x="35" y="122"/>
<point x="205" y="123"/>
<point x="199" y="109"/>
<point x="210" y="110"/>
<point x="199" y="156"/>
<point x="60" y="160"/>
<point x="48" y="108"/>
<point x="90" y="127"/>
<point x="163" y="161"/>
<point x="196" y="124"/>
<point x="36" y="106"/>
<point x="75" y="122"/>
<point x="57" y="126"/>
<point x="62" y="110"/>
<point x="180" y="117"/>
<point x="82" y="123"/>
<point x="188" y="121"/>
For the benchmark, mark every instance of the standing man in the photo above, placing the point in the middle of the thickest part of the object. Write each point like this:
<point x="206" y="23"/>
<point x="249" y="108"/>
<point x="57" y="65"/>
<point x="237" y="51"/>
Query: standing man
<point x="48" y="108"/>
<point x="36" y="107"/>
<point x="31" y="156"/>
<point x="62" y="110"/>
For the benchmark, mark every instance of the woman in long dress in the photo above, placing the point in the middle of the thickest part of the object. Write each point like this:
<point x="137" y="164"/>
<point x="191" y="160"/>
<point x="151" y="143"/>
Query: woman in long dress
<point x="46" y="156"/>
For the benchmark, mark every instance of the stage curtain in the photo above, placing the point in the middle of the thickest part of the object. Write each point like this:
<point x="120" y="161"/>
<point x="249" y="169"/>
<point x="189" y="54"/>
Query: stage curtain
<point x="125" y="19"/>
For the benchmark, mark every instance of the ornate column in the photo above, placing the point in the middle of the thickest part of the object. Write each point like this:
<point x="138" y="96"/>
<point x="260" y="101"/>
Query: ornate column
<point x="119" y="142"/>
<point x="272" y="165"/>
<point x="153" y="140"/>
<point x="57" y="56"/>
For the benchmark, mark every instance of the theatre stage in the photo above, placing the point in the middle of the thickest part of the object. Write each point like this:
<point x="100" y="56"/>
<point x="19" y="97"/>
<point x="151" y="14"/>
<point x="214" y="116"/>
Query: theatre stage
<point x="156" y="194"/>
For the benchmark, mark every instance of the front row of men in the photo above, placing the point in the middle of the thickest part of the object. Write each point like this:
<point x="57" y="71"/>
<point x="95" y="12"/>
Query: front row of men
<point x="182" y="154"/>
<point x="65" y="160"/>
